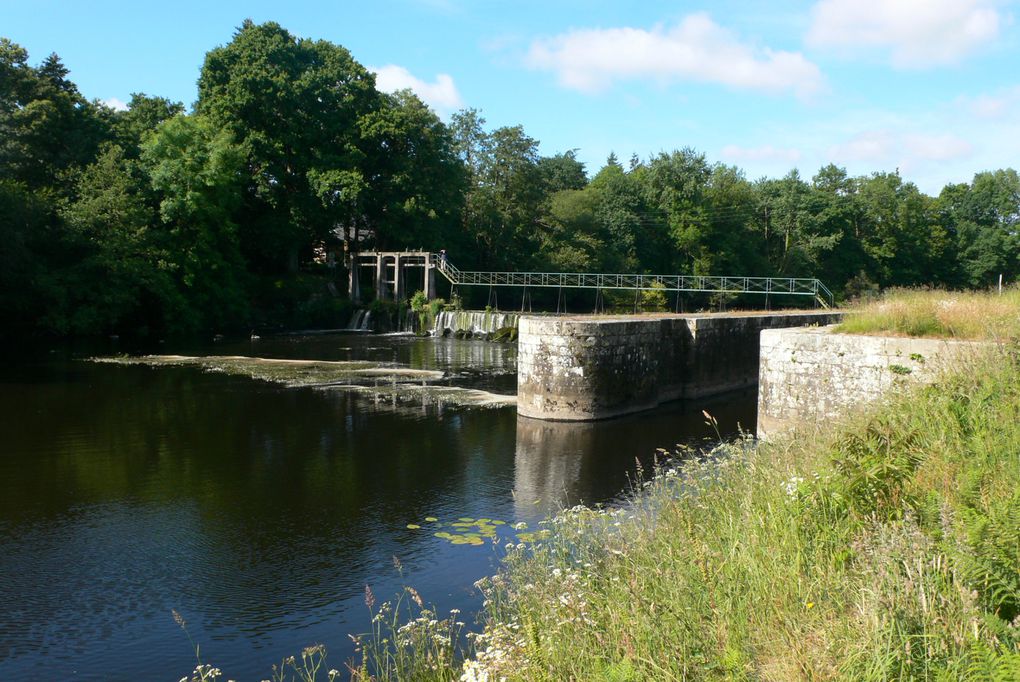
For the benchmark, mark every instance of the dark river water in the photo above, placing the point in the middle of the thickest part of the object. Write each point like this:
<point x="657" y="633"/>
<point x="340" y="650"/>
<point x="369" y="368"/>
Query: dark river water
<point x="260" y="512"/>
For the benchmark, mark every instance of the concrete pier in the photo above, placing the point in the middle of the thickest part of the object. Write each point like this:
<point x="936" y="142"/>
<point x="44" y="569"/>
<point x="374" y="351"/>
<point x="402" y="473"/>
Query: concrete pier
<point x="583" y="367"/>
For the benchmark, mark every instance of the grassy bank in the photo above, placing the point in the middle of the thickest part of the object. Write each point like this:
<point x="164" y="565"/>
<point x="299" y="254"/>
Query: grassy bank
<point x="961" y="315"/>
<point x="889" y="550"/>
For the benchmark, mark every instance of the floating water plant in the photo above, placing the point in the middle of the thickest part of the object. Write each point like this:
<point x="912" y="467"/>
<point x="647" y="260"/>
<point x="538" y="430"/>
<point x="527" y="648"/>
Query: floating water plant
<point x="467" y="530"/>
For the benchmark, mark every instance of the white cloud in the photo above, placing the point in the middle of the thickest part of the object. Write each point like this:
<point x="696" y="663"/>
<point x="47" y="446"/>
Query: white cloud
<point x="767" y="153"/>
<point x="992" y="106"/>
<point x="937" y="147"/>
<point x="115" y="104"/>
<point x="873" y="146"/>
<point x="696" y="49"/>
<point x="908" y="151"/>
<point x="441" y="95"/>
<point x="917" y="33"/>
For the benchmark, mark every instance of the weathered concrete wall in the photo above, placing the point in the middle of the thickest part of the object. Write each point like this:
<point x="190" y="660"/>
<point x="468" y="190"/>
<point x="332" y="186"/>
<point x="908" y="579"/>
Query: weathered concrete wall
<point x="810" y="375"/>
<point x="582" y="368"/>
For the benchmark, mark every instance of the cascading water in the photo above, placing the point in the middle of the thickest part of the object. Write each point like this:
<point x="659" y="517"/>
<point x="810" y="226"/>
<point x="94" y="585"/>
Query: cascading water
<point x="361" y="321"/>
<point x="478" y="323"/>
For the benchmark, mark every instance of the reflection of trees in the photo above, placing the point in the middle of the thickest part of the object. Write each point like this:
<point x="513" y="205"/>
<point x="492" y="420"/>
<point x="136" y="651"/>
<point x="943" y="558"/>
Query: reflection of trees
<point x="246" y="501"/>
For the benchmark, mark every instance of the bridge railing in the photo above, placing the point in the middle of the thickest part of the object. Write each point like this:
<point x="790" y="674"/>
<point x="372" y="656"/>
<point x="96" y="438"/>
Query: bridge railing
<point x="795" y="286"/>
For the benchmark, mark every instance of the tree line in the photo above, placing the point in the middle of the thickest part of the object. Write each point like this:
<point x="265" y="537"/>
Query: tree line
<point x="158" y="219"/>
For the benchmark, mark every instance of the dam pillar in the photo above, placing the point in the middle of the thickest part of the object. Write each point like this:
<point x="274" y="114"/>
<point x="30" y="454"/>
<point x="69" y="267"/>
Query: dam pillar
<point x="353" y="280"/>
<point x="380" y="277"/>
<point x="582" y="368"/>
<point x="430" y="280"/>
<point x="398" y="280"/>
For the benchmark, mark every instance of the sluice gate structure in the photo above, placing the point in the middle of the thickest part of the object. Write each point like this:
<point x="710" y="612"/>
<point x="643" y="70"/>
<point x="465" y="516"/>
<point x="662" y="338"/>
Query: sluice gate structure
<point x="389" y="277"/>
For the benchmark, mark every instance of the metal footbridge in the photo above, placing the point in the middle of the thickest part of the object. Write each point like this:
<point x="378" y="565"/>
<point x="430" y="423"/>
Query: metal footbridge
<point x="786" y="286"/>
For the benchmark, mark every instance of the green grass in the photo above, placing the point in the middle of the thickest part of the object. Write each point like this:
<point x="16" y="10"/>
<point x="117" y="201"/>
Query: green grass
<point x="944" y="314"/>
<point x="888" y="550"/>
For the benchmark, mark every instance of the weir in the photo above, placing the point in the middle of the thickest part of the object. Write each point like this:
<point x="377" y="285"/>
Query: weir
<point x="581" y="368"/>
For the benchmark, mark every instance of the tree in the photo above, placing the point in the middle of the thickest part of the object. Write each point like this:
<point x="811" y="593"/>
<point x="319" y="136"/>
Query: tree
<point x="562" y="171"/>
<point x="675" y="186"/>
<point x="984" y="219"/>
<point x="195" y="168"/>
<point x="414" y="180"/>
<point x="295" y="107"/>
<point x="505" y="192"/>
<point x="113" y="281"/>
<point x="46" y="127"/>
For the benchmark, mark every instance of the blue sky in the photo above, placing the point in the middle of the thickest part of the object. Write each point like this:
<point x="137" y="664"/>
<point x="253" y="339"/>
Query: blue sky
<point x="931" y="87"/>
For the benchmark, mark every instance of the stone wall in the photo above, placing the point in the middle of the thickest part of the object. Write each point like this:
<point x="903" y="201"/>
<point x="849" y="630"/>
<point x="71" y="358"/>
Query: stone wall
<point x="583" y="367"/>
<point x="811" y="375"/>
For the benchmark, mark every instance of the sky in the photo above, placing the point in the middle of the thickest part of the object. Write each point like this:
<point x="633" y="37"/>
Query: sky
<point x="928" y="87"/>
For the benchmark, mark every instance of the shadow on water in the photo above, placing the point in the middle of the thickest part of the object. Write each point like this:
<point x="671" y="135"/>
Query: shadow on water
<point x="260" y="512"/>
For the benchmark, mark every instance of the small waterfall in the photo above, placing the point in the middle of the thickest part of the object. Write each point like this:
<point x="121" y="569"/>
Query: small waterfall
<point x="361" y="321"/>
<point x="475" y="323"/>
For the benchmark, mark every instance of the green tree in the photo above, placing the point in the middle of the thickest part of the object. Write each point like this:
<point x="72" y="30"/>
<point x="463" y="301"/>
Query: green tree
<point x="295" y="107"/>
<point x="113" y="280"/>
<point x="196" y="169"/>
<point x="416" y="181"/>
<point x="46" y="127"/>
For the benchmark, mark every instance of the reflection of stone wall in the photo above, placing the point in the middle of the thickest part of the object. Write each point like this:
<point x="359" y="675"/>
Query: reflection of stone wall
<point x="581" y="368"/>
<point x="566" y="463"/>
<point x="815" y="374"/>
<point x="548" y="462"/>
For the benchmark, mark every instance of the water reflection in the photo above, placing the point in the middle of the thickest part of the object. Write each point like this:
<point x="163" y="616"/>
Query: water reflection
<point x="566" y="463"/>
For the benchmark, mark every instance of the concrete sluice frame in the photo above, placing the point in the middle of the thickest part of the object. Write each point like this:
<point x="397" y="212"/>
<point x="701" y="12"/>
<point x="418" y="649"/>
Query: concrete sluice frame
<point x="585" y="368"/>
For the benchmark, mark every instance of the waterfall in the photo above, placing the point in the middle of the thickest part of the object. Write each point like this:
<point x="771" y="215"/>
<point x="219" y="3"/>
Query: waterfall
<point x="476" y="323"/>
<point x="361" y="321"/>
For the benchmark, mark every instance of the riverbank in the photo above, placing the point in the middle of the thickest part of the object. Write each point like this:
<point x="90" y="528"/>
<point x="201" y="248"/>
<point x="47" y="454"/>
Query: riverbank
<point x="884" y="549"/>
<point x="968" y="315"/>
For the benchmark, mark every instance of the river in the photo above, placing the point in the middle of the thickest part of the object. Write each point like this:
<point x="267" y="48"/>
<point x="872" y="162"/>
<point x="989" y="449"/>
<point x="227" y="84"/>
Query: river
<point x="260" y="510"/>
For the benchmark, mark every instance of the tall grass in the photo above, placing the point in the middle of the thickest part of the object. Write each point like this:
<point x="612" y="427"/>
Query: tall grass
<point x="933" y="313"/>
<point x="889" y="550"/>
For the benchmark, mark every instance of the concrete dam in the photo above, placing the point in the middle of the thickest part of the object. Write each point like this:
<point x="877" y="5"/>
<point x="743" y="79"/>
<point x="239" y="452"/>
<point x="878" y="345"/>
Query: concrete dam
<point x="580" y="368"/>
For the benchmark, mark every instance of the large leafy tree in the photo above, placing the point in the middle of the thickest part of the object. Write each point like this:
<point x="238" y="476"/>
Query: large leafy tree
<point x="46" y="127"/>
<point x="195" y="169"/>
<point x="295" y="106"/>
<point x="413" y="180"/>
<point x="501" y="218"/>
<point x="111" y="282"/>
<point x="983" y="219"/>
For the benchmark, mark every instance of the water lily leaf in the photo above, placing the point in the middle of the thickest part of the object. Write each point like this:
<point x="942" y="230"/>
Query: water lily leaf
<point x="413" y="526"/>
<point x="466" y="519"/>
<point x="431" y="519"/>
